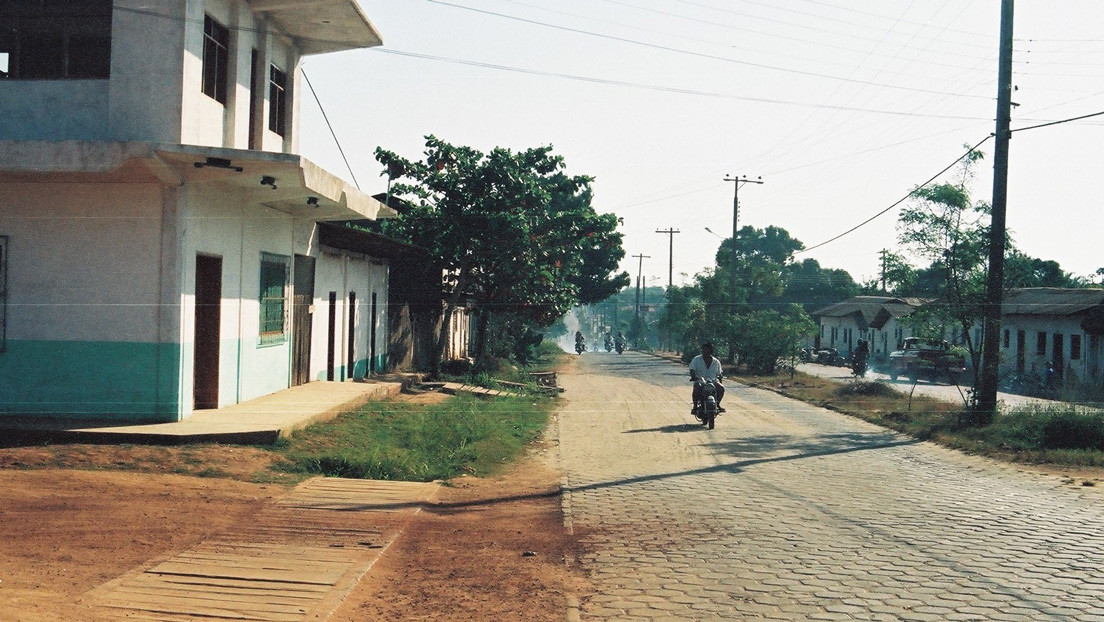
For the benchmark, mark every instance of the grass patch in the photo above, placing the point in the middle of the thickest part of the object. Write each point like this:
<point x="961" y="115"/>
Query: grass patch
<point x="402" y="441"/>
<point x="1059" y="434"/>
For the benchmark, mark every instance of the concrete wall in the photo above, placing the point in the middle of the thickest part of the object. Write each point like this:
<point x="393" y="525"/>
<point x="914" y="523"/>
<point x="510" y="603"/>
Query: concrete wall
<point x="155" y="91"/>
<point x="341" y="273"/>
<point x="1088" y="365"/>
<point x="87" y="311"/>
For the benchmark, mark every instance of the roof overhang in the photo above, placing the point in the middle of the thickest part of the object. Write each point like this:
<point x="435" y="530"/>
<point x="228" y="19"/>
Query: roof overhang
<point x="320" y="26"/>
<point x="282" y="181"/>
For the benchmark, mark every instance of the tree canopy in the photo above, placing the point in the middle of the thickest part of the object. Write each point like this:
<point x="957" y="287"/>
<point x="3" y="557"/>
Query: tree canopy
<point x="514" y="232"/>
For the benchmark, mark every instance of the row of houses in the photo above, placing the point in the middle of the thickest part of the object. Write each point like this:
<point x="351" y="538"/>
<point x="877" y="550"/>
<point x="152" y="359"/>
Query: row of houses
<point x="1039" y="326"/>
<point x="163" y="246"/>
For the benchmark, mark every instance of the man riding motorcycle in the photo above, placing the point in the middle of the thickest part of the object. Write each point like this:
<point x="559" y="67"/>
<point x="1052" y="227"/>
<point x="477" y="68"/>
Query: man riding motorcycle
<point x="705" y="366"/>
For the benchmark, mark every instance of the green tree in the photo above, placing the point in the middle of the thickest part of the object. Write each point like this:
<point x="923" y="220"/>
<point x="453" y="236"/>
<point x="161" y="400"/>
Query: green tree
<point x="514" y="233"/>
<point x="765" y="338"/>
<point x="946" y="227"/>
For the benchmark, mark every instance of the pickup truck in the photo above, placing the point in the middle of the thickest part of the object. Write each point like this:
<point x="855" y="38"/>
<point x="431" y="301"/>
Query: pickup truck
<point x="931" y="358"/>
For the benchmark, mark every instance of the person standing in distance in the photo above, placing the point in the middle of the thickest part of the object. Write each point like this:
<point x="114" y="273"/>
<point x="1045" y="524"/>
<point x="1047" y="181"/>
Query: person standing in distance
<point x="707" y="367"/>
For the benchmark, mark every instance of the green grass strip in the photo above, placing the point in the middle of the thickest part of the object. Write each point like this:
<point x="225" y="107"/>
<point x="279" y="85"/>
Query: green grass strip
<point x="395" y="440"/>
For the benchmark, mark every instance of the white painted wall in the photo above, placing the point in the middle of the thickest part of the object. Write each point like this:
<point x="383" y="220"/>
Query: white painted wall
<point x="83" y="261"/>
<point x="1074" y="370"/>
<point x="155" y="91"/>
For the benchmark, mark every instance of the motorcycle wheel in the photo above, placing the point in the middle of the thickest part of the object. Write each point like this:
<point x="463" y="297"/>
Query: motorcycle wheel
<point x="710" y="420"/>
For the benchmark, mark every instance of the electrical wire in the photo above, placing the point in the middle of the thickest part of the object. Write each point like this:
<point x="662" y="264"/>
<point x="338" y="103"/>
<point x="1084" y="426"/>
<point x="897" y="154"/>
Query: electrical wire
<point x="332" y="132"/>
<point x="661" y="88"/>
<point x="899" y="201"/>
<point x="1048" y="124"/>
<point x="726" y="59"/>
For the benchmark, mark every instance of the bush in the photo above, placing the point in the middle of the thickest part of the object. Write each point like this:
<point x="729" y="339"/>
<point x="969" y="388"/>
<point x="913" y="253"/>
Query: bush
<point x="867" y="388"/>
<point x="1049" y="427"/>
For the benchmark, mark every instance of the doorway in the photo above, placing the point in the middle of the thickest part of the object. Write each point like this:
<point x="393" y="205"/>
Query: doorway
<point x="302" y="319"/>
<point x="208" y="316"/>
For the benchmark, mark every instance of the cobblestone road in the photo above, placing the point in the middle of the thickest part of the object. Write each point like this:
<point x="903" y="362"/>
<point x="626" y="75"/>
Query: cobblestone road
<point x="788" y="512"/>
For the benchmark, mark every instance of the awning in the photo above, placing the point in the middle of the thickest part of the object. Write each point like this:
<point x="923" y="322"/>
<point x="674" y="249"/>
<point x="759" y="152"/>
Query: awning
<point x="320" y="26"/>
<point x="283" y="181"/>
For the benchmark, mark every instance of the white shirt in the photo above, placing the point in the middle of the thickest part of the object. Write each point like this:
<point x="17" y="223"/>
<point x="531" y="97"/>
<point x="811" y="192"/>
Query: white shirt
<point x="700" y="370"/>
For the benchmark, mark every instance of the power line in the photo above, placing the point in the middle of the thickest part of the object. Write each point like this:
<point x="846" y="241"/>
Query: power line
<point x="666" y="89"/>
<point x="726" y="59"/>
<point x="899" y="201"/>
<point x="1070" y="120"/>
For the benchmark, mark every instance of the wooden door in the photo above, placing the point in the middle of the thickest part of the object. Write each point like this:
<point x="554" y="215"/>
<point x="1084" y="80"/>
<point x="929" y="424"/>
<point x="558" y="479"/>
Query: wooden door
<point x="208" y="315"/>
<point x="302" y="319"/>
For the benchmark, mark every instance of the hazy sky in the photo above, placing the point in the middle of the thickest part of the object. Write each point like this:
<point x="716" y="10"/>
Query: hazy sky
<point x="842" y="106"/>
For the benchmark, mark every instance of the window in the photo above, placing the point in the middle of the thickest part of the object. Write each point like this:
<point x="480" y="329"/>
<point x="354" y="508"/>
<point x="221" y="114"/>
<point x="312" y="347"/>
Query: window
<point x="55" y="39"/>
<point x="216" y="58"/>
<point x="277" y="100"/>
<point x="273" y="297"/>
<point x="1040" y="344"/>
<point x="1075" y="347"/>
<point x="1006" y="338"/>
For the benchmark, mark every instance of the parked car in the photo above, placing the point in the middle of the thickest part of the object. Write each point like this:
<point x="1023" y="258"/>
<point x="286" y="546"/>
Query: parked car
<point x="930" y="358"/>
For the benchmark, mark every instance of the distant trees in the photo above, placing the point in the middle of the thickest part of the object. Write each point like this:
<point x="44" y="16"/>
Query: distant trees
<point x="767" y="319"/>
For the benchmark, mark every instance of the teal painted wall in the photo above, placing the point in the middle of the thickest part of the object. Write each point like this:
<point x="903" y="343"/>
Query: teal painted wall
<point x="360" y="368"/>
<point x="81" y="379"/>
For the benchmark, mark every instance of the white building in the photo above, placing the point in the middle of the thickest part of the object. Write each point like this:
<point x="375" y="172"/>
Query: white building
<point x="1064" y="327"/>
<point x="877" y="319"/>
<point x="159" y="235"/>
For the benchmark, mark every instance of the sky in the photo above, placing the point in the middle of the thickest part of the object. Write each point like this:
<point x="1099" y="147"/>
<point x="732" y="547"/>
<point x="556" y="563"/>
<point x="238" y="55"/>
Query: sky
<point x="841" y="106"/>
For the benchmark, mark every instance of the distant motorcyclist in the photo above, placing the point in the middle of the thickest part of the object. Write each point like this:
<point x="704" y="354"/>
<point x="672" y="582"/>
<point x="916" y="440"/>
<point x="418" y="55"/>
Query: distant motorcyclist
<point x="609" y="341"/>
<point x="706" y="367"/>
<point x="580" y="342"/>
<point x="619" y="341"/>
<point x="859" y="358"/>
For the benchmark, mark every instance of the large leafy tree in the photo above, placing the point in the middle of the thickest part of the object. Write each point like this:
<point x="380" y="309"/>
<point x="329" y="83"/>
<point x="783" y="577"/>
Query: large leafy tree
<point x="946" y="227"/>
<point x="515" y="234"/>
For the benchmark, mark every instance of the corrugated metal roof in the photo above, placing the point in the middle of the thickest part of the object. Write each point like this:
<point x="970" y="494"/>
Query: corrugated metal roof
<point x="1051" y="301"/>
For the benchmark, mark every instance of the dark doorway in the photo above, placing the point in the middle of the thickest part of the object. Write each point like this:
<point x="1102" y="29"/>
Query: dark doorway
<point x="302" y="320"/>
<point x="1059" y="350"/>
<point x="331" y="341"/>
<point x="350" y="358"/>
<point x="372" y="338"/>
<point x="1021" y="354"/>
<point x="208" y="315"/>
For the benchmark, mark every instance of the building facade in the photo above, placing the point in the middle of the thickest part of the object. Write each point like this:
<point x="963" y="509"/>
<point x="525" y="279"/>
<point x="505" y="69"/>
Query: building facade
<point x="161" y="247"/>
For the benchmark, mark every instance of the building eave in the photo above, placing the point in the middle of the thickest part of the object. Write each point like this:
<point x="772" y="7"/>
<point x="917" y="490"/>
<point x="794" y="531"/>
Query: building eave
<point x="320" y="26"/>
<point x="301" y="188"/>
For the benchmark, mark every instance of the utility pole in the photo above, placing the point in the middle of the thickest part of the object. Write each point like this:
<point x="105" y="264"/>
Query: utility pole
<point x="670" y="255"/>
<point x="990" y="353"/>
<point x="636" y="321"/>
<point x="884" y="253"/>
<point x="736" y="181"/>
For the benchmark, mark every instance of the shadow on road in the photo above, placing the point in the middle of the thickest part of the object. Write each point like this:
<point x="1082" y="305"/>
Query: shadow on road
<point x="828" y="445"/>
<point x="668" y="429"/>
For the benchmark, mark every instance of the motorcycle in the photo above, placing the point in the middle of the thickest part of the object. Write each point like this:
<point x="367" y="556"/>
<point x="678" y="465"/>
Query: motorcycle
<point x="609" y="344"/>
<point x="580" y="347"/>
<point x="620" y="345"/>
<point x="706" y="410"/>
<point x="858" y="365"/>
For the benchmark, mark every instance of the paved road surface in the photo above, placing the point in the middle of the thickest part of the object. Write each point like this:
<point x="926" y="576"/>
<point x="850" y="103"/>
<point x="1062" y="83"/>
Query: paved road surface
<point x="938" y="390"/>
<point x="788" y="512"/>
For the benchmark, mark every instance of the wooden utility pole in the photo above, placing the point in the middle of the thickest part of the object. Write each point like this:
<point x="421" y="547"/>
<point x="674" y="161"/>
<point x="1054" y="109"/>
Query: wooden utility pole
<point x="670" y="255"/>
<point x="636" y="322"/>
<point x="736" y="181"/>
<point x="990" y="353"/>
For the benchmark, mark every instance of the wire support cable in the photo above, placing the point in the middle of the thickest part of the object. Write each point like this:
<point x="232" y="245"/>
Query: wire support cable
<point x="899" y="201"/>
<point x="332" y="132"/>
